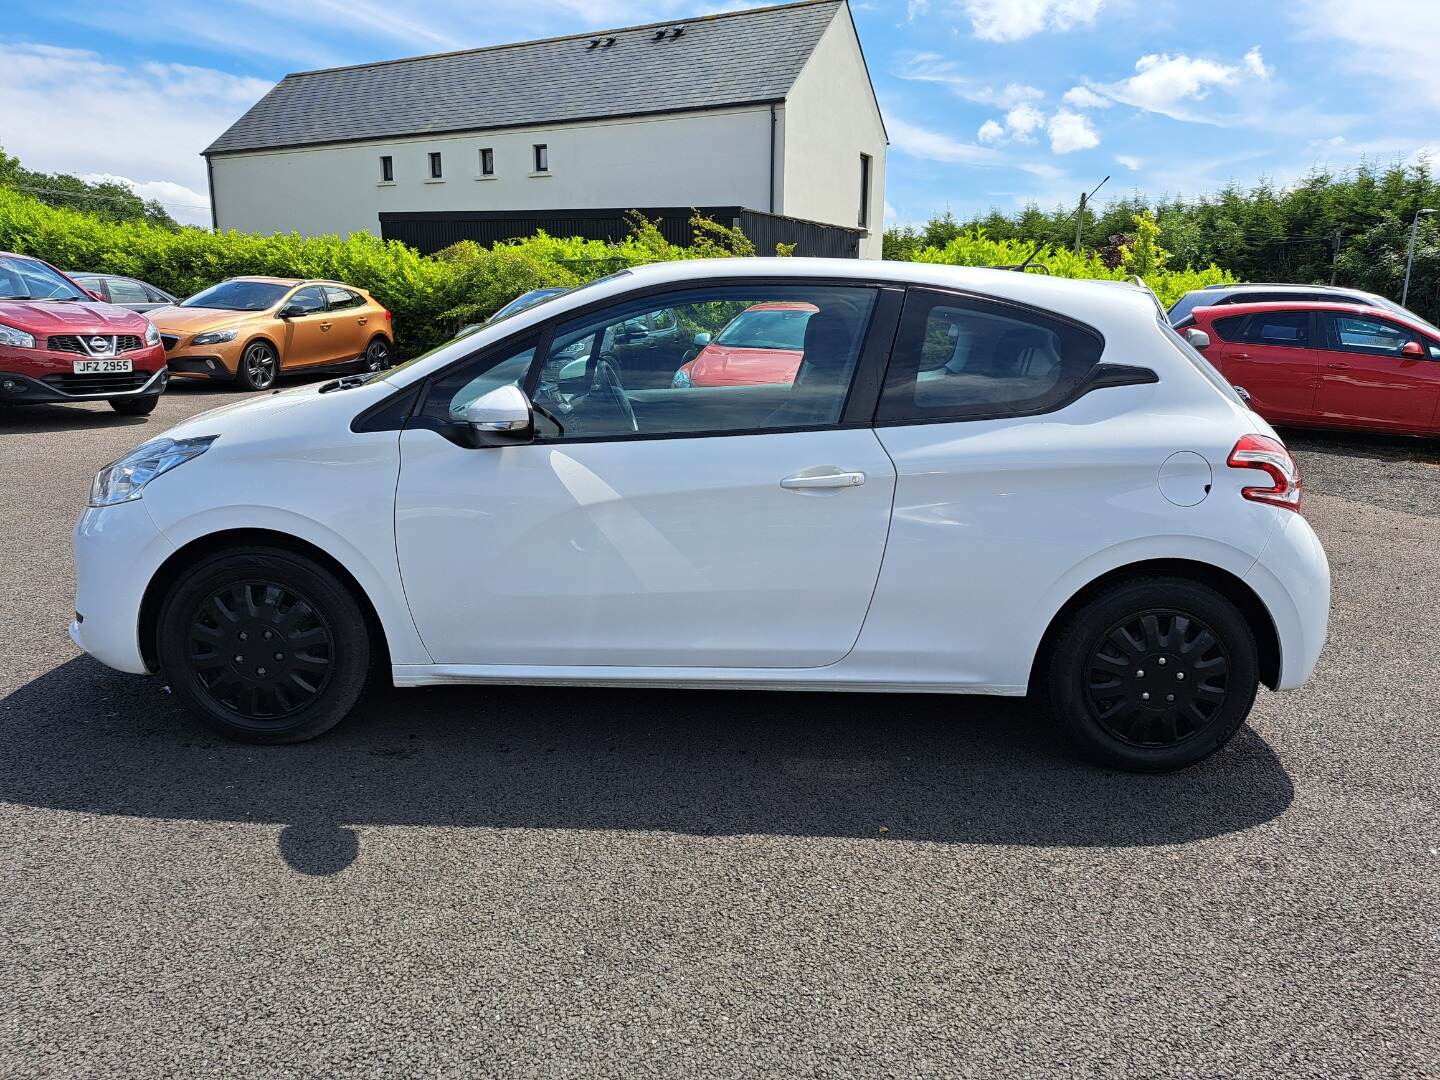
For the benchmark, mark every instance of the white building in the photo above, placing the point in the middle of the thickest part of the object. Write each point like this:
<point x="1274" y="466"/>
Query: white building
<point x="770" y="110"/>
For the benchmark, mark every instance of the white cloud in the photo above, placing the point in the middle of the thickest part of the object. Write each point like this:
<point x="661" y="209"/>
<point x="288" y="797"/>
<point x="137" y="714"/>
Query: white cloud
<point x="991" y="132"/>
<point x="931" y="145"/>
<point x="184" y="204"/>
<point x="1134" y="164"/>
<point x="933" y="68"/>
<point x="72" y="110"/>
<point x="1071" y="131"/>
<point x="1254" y="63"/>
<point x="1023" y="121"/>
<point x="915" y="9"/>
<point x="1012" y="20"/>
<point x="1082" y="97"/>
<point x="1397" y="45"/>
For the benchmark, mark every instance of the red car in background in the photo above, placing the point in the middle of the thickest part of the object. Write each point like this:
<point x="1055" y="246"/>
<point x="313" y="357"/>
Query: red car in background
<point x="1328" y="364"/>
<point x="58" y="343"/>
<point x="763" y="344"/>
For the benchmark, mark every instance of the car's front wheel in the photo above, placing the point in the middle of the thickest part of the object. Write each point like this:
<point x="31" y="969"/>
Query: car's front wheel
<point x="263" y="645"/>
<point x="1153" y="674"/>
<point x="259" y="364"/>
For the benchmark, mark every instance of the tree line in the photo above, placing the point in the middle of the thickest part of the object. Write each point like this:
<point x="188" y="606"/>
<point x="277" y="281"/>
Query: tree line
<point x="106" y="200"/>
<point x="1352" y="228"/>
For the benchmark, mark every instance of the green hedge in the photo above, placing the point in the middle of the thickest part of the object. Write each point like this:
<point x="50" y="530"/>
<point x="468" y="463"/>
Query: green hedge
<point x="433" y="296"/>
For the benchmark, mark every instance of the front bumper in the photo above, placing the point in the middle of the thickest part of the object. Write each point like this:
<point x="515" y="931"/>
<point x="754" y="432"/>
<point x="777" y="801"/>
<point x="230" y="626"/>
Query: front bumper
<point x="20" y="389"/>
<point x="196" y="366"/>
<point x="1292" y="578"/>
<point x="118" y="549"/>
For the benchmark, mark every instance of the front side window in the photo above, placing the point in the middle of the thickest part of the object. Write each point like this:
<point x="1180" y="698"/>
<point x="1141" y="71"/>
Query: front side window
<point x="307" y="301"/>
<point x="462" y="386"/>
<point x="487" y="162"/>
<point x="124" y="291"/>
<point x="435" y="168"/>
<point x="603" y="378"/>
<point x="542" y="158"/>
<point x="387" y="169"/>
<point x="962" y="359"/>
<point x="1362" y="334"/>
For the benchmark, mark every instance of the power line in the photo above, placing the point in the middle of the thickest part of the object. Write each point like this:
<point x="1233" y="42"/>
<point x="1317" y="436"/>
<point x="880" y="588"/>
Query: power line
<point x="106" y="198"/>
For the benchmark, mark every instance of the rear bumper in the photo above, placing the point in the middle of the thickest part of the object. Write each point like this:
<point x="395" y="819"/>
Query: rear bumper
<point x="22" y="389"/>
<point x="1292" y="578"/>
<point x="117" y="551"/>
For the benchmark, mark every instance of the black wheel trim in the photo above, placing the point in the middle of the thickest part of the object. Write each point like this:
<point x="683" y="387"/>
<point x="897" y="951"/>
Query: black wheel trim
<point x="260" y="650"/>
<point x="260" y="366"/>
<point x="377" y="356"/>
<point x="1157" y="678"/>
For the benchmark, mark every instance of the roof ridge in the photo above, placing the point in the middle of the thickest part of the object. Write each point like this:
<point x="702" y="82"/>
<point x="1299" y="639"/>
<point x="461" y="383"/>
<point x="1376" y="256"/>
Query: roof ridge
<point x="714" y="17"/>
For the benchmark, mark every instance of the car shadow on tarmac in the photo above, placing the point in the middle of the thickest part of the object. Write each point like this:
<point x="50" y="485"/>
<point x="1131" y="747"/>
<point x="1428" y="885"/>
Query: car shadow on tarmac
<point x="956" y="770"/>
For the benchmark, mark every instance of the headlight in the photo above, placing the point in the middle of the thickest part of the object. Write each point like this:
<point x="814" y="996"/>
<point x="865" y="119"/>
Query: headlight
<point x="681" y="380"/>
<point x="152" y="335"/>
<point x="214" y="337"/>
<point x="124" y="480"/>
<point x="16" y="339"/>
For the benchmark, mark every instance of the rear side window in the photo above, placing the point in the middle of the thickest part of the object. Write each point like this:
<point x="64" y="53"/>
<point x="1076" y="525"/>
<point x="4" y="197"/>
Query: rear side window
<point x="1231" y="328"/>
<point x="956" y="358"/>
<point x="125" y="291"/>
<point x="340" y="299"/>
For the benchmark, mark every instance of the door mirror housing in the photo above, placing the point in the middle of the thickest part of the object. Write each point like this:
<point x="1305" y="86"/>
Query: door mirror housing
<point x="1198" y="339"/>
<point x="702" y="339"/>
<point x="1412" y="348"/>
<point x="1244" y="394"/>
<point x="503" y="417"/>
<point x="289" y="311"/>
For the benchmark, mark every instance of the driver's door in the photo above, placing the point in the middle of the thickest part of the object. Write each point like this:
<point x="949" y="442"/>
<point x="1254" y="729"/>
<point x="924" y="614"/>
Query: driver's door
<point x="738" y="527"/>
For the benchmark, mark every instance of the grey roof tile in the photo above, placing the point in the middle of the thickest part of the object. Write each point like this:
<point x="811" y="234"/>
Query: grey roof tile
<point x="728" y="59"/>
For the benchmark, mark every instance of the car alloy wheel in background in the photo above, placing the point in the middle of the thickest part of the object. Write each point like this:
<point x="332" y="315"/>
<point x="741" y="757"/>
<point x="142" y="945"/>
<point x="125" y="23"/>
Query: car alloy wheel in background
<point x="377" y="356"/>
<point x="258" y="366"/>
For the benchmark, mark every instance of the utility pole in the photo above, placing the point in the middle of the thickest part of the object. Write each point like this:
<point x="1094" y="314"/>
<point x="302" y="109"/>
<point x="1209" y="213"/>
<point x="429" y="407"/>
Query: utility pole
<point x="1080" y="221"/>
<point x="1410" y="259"/>
<point x="1335" y="257"/>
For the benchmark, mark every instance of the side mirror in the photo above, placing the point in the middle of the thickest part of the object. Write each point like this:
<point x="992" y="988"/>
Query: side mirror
<point x="1412" y="348"/>
<point x="502" y="417"/>
<point x="289" y="311"/>
<point x="1198" y="339"/>
<point x="1244" y="394"/>
<point x="94" y="294"/>
<point x="702" y="339"/>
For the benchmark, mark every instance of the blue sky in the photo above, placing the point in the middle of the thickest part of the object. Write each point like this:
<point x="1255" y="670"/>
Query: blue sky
<point x="988" y="102"/>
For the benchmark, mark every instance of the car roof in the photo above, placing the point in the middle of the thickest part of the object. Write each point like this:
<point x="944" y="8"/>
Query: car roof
<point x="1241" y="286"/>
<point x="290" y="282"/>
<point x="1223" y="311"/>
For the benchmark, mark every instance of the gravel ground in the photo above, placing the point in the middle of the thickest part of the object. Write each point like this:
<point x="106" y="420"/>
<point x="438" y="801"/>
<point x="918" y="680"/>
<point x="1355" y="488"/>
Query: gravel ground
<point x="604" y="883"/>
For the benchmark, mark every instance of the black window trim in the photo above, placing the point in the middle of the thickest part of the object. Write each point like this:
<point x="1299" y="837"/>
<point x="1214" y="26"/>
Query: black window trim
<point x="858" y="411"/>
<point x="436" y="165"/>
<point x="1101" y="376"/>
<point x="487" y="161"/>
<point x="387" y="168"/>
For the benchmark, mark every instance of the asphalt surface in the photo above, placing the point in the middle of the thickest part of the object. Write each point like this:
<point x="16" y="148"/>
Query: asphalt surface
<point x="555" y="883"/>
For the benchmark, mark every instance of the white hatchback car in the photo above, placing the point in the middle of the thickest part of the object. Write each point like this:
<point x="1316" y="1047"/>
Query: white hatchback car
<point x="976" y="481"/>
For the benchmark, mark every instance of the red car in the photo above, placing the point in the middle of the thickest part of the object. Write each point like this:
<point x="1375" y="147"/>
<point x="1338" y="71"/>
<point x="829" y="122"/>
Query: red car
<point x="1329" y="364"/>
<point x="58" y="343"/>
<point x="763" y="344"/>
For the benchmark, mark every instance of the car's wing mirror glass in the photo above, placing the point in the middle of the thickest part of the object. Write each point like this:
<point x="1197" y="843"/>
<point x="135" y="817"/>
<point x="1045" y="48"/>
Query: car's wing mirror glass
<point x="702" y="339"/>
<point x="503" y="417"/>
<point x="1198" y="339"/>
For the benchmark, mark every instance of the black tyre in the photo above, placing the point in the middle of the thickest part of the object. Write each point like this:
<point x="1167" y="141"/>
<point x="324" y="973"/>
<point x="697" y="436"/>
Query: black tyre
<point x="135" y="406"/>
<point x="1153" y="675"/>
<point x="377" y="355"/>
<point x="264" y="646"/>
<point x="259" y="364"/>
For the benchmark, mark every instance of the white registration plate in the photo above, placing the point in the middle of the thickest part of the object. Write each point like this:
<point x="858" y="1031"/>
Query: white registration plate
<point x="102" y="367"/>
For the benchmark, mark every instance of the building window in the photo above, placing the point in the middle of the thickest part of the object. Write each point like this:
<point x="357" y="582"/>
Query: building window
<point x="435" y="166"/>
<point x="487" y="162"/>
<point x="542" y="158"/>
<point x="387" y="169"/>
<point x="864" y="191"/>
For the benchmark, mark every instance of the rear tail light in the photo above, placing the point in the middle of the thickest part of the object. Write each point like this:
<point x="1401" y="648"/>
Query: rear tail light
<point x="388" y="316"/>
<point x="1270" y="457"/>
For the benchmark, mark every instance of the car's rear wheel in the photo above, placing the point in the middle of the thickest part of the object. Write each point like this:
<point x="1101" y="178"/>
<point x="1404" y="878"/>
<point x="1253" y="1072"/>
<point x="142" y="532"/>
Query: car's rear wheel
<point x="377" y="355"/>
<point x="135" y="406"/>
<point x="1153" y="674"/>
<point x="259" y="364"/>
<point x="264" y="645"/>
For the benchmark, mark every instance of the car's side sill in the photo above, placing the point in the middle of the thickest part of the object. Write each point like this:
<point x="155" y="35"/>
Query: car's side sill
<point x="816" y="679"/>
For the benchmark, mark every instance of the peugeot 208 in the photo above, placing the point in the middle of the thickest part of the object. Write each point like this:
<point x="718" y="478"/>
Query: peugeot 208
<point x="977" y="482"/>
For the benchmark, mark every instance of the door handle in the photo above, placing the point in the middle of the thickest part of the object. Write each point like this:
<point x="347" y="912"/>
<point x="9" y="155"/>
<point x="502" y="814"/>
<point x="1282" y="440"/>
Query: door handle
<point x="1340" y="367"/>
<point x="363" y="321"/>
<point x="324" y="326"/>
<point x="836" y="479"/>
<point x="1239" y="356"/>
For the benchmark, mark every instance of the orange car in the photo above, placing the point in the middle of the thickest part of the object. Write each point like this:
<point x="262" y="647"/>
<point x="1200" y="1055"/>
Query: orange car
<point x="249" y="329"/>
